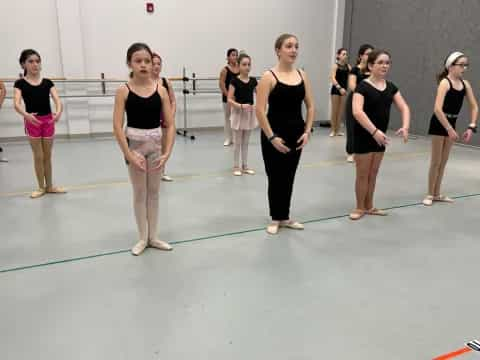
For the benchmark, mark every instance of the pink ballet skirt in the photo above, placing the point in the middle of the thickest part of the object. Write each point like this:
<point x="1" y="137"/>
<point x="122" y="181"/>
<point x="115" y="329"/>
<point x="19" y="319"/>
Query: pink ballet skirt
<point x="243" y="119"/>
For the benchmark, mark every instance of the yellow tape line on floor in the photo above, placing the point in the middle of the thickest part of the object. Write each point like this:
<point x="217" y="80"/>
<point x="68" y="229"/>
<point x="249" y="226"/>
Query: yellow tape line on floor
<point x="317" y="164"/>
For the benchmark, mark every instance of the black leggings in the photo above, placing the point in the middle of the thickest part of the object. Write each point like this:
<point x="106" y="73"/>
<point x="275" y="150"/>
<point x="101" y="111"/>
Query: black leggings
<point x="280" y="169"/>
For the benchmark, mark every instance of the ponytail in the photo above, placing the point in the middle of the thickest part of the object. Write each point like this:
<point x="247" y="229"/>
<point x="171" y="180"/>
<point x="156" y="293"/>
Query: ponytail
<point x="442" y="75"/>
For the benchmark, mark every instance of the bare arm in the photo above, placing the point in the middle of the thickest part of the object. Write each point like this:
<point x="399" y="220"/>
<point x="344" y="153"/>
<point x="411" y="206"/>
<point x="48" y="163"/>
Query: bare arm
<point x="231" y="97"/>
<point x="360" y="115"/>
<point x="405" y="112"/>
<point x="173" y="100"/>
<point x="118" y="111"/>
<point x="3" y="93"/>
<point x="473" y="104"/>
<point x="352" y="82"/>
<point x="221" y="82"/>
<point x="402" y="106"/>
<point x="57" y="102"/>
<point x="467" y="135"/>
<point x="309" y="103"/>
<point x="17" y="102"/>
<point x="303" y="140"/>
<point x="333" y="75"/>
<point x="264" y="87"/>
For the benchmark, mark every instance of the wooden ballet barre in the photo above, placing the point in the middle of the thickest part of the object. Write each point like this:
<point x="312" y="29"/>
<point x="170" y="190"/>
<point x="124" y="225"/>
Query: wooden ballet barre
<point x="179" y="91"/>
<point x="9" y="80"/>
<point x="73" y="80"/>
<point x="214" y="78"/>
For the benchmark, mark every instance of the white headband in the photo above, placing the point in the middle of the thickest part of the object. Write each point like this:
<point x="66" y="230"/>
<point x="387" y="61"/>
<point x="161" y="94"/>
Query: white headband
<point x="452" y="57"/>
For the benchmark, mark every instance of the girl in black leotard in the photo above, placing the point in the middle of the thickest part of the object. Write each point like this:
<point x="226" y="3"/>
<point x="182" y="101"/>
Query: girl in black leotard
<point x="284" y="132"/>
<point x="157" y="63"/>
<point x="39" y="119"/>
<point x="452" y="88"/>
<point x="338" y="92"/>
<point x="357" y="74"/>
<point x="145" y="103"/>
<point x="227" y="74"/>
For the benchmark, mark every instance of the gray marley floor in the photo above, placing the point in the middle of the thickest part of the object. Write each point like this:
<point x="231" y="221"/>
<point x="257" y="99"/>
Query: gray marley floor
<point x="400" y="287"/>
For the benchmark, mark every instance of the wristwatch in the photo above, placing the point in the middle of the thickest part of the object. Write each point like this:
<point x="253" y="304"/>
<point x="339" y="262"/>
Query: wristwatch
<point x="272" y="137"/>
<point x="473" y="128"/>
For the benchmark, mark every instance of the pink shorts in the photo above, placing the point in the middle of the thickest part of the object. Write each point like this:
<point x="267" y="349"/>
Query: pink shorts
<point x="46" y="128"/>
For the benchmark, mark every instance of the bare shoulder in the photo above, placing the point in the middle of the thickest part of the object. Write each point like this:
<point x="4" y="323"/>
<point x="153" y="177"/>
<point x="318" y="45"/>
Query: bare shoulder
<point x="122" y="91"/>
<point x="444" y="84"/>
<point x="467" y="84"/>
<point x="267" y="74"/>
<point x="304" y="74"/>
<point x="268" y="77"/>
<point x="162" y="92"/>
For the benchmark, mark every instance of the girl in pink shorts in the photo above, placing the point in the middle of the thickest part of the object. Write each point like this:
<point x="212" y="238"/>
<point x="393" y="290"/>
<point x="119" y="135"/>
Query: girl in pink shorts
<point x="38" y="117"/>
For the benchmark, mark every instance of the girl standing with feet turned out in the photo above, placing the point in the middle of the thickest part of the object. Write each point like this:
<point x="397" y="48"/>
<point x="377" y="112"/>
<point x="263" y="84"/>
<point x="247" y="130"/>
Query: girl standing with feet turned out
<point x="229" y="72"/>
<point x="38" y="118"/>
<point x="339" y="78"/>
<point x="284" y="132"/>
<point x="359" y="73"/>
<point x="452" y="88"/>
<point x="243" y="120"/>
<point x="156" y="71"/>
<point x="372" y="101"/>
<point x="145" y="102"/>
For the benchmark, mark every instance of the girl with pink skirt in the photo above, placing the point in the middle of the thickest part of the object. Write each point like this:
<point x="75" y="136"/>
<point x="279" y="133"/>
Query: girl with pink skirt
<point x="242" y="118"/>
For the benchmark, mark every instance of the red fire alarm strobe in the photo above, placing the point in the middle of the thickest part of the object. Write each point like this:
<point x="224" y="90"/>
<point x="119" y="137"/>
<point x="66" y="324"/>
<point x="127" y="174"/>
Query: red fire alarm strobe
<point x="150" y="7"/>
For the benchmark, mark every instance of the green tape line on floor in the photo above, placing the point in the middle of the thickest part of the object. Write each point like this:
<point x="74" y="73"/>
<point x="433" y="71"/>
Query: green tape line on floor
<point x="56" y="262"/>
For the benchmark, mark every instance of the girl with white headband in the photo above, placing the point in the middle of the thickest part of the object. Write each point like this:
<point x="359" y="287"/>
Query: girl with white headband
<point x="452" y="88"/>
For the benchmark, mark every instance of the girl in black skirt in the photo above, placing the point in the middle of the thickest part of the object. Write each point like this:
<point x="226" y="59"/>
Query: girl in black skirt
<point x="357" y="74"/>
<point x="452" y="88"/>
<point x="372" y="101"/>
<point x="338" y="92"/>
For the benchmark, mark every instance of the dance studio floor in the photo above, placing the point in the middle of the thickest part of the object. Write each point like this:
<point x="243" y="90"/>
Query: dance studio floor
<point x="399" y="287"/>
